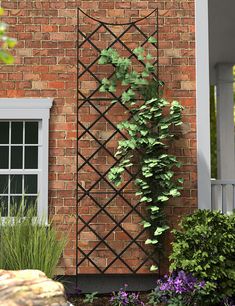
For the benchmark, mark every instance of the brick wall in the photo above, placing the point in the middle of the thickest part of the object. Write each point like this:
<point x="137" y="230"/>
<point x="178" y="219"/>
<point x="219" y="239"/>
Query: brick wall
<point x="46" y="67"/>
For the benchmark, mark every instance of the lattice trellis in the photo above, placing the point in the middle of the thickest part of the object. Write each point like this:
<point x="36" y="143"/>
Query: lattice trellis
<point x="109" y="237"/>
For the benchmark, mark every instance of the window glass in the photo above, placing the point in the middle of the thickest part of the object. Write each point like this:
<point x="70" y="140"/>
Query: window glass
<point x="16" y="157"/>
<point x="30" y="184"/>
<point x="3" y="184"/>
<point x="16" y="184"/>
<point x="31" y="157"/>
<point x="4" y="160"/>
<point x="31" y="132"/>
<point x="4" y="132"/>
<point x="30" y="202"/>
<point x="3" y="206"/>
<point x="17" y="132"/>
<point x="15" y="204"/>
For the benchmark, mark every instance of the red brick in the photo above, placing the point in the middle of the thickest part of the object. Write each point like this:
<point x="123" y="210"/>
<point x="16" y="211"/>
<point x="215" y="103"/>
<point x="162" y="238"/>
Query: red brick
<point x="46" y="67"/>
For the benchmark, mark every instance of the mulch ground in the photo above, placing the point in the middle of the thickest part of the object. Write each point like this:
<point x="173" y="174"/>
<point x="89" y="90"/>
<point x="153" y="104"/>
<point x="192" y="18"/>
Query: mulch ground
<point x="103" y="300"/>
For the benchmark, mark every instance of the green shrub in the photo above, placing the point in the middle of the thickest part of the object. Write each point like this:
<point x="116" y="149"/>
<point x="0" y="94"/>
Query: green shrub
<point x="28" y="243"/>
<point x="205" y="247"/>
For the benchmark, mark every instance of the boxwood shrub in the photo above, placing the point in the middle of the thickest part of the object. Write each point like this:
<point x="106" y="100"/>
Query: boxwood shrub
<point x="205" y="246"/>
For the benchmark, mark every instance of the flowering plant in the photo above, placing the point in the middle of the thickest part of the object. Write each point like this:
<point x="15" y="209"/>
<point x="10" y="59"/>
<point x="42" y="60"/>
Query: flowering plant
<point x="123" y="298"/>
<point x="179" y="289"/>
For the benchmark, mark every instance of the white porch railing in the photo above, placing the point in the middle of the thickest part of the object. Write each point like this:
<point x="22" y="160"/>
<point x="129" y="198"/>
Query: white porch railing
<point x="223" y="195"/>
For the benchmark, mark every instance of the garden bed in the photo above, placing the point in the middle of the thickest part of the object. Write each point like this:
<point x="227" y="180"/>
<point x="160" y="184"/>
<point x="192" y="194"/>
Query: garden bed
<point x="102" y="300"/>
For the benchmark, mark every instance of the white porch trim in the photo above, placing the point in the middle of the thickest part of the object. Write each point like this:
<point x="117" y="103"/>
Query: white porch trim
<point x="225" y="121"/>
<point x="203" y="105"/>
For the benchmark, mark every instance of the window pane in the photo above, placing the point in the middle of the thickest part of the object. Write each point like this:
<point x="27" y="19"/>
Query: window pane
<point x="17" y="132"/>
<point x="3" y="206"/>
<point x="30" y="203"/>
<point x="31" y="132"/>
<point x="31" y="157"/>
<point x="16" y="157"/>
<point x="4" y="154"/>
<point x="15" y="205"/>
<point x="30" y="184"/>
<point x="4" y="132"/>
<point x="16" y="184"/>
<point x="3" y="184"/>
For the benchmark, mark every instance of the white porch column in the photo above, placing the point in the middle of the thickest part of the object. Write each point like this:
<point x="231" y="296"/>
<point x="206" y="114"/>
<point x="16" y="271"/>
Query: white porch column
<point x="203" y="105"/>
<point x="225" y="122"/>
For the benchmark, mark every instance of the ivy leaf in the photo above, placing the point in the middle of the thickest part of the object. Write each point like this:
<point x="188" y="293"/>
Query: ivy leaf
<point x="11" y="42"/>
<point x="149" y="57"/>
<point x="145" y="74"/>
<point x="146" y="199"/>
<point x="152" y="40"/>
<point x="144" y="132"/>
<point x="140" y="57"/>
<point x="102" y="89"/>
<point x="1" y="11"/>
<point x="6" y="57"/>
<point x="146" y="224"/>
<point x="163" y="198"/>
<point x="153" y="268"/>
<point x="148" y="241"/>
<point x="102" y="60"/>
<point x="105" y="81"/>
<point x="174" y="192"/>
<point x="151" y="241"/>
<point x="154" y="208"/>
<point x="160" y="230"/>
<point x="3" y="27"/>
<point x="149" y="67"/>
<point x="112" y="88"/>
<point x="138" y="50"/>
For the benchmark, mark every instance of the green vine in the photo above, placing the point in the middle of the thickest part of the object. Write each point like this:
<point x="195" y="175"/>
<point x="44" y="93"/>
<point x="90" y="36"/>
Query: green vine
<point x="151" y="130"/>
<point x="6" y="42"/>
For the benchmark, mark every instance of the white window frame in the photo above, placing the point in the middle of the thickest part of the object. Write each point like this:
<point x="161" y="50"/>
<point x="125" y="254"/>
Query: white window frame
<point x="37" y="109"/>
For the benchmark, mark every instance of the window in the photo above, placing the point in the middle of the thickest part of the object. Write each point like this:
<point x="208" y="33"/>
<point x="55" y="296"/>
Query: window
<point x="24" y="155"/>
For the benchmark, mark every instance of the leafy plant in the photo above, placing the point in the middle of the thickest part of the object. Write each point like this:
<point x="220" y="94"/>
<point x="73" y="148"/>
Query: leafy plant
<point x="151" y="128"/>
<point x="205" y="247"/>
<point x="123" y="298"/>
<point x="179" y="289"/>
<point x="5" y="43"/>
<point x="26" y="242"/>
<point x="90" y="297"/>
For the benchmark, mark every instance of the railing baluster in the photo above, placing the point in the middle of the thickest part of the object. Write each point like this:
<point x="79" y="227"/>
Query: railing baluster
<point x="219" y="197"/>
<point x="233" y="196"/>
<point x="223" y="195"/>
<point x="224" y="200"/>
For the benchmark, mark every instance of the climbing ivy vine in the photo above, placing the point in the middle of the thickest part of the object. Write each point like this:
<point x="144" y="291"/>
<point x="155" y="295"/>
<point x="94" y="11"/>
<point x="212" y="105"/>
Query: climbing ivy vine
<point x="150" y="129"/>
<point x="6" y="43"/>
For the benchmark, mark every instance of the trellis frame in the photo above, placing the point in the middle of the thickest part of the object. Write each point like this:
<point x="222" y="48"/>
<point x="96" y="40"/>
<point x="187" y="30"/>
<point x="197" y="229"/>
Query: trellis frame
<point x="82" y="192"/>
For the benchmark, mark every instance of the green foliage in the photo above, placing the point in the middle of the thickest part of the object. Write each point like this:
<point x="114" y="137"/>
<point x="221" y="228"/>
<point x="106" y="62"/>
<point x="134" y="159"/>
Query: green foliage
<point x="26" y="242"/>
<point x="205" y="247"/>
<point x="5" y="43"/>
<point x="154" y="297"/>
<point x="151" y="129"/>
<point x="90" y="298"/>
<point x="213" y="133"/>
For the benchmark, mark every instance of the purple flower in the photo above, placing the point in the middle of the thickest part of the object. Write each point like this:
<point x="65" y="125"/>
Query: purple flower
<point x="123" y="298"/>
<point x="181" y="283"/>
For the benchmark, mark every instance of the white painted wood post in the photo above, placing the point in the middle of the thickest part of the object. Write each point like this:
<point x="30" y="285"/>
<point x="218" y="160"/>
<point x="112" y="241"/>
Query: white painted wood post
<point x="203" y="105"/>
<point x="225" y="130"/>
<point x="225" y="122"/>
